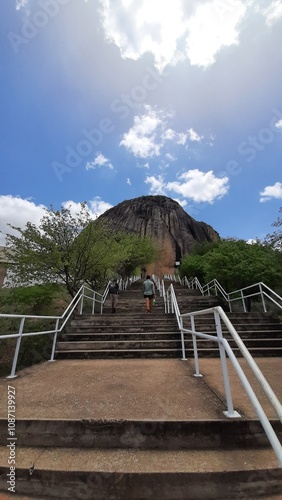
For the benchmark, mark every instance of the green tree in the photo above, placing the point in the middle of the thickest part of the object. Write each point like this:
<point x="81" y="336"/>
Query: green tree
<point x="136" y="251"/>
<point x="52" y="251"/>
<point x="74" y="250"/>
<point x="235" y="264"/>
<point x="275" y="239"/>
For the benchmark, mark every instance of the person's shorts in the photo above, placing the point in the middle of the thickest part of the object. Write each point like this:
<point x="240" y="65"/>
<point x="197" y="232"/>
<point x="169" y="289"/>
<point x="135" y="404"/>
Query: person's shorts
<point x="148" y="296"/>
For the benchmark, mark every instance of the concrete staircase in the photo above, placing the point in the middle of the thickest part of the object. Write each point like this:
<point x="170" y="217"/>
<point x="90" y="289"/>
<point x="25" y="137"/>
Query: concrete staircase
<point x="143" y="460"/>
<point x="110" y="422"/>
<point x="132" y="333"/>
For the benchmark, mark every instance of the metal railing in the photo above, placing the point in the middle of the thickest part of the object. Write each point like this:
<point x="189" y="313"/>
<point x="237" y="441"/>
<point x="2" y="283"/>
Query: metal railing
<point x="243" y="294"/>
<point x="225" y="349"/>
<point x="77" y="304"/>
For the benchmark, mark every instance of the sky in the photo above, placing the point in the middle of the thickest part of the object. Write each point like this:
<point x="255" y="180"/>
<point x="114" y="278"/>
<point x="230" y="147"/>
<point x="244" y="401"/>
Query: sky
<point x="108" y="100"/>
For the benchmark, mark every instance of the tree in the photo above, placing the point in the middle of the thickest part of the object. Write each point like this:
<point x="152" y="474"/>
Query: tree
<point x="235" y="264"/>
<point x="51" y="251"/>
<point x="74" y="250"/>
<point x="136" y="251"/>
<point x="275" y="239"/>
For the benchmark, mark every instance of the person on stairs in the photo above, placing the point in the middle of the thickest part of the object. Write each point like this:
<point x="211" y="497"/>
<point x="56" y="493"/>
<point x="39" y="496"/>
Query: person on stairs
<point x="149" y="293"/>
<point x="113" y="291"/>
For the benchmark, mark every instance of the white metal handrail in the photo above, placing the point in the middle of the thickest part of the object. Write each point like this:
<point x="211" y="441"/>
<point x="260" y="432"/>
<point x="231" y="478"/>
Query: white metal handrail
<point x="241" y="294"/>
<point x="77" y="302"/>
<point x="224" y="348"/>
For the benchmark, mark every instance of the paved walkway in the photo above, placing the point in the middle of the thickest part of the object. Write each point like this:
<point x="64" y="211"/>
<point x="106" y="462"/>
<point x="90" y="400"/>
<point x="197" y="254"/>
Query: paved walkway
<point x="149" y="389"/>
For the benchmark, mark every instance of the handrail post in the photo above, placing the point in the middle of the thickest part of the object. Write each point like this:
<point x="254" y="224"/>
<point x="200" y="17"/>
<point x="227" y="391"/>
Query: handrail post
<point x="81" y="301"/>
<point x="229" y="302"/>
<point x="17" y="349"/>
<point x="182" y="339"/>
<point x="262" y="298"/>
<point x="230" y="413"/>
<point x="93" y="302"/>
<point x="195" y="348"/>
<point x="243" y="301"/>
<point x="55" y="340"/>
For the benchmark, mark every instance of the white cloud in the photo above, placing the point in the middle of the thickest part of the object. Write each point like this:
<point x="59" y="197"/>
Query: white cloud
<point x="211" y="29"/>
<point x="193" y="136"/>
<point x="200" y="186"/>
<point x="177" y="137"/>
<point x="182" y="203"/>
<point x="170" y="157"/>
<point x="21" y="3"/>
<point x="17" y="211"/>
<point x="141" y="138"/>
<point x="141" y="26"/>
<point x="96" y="207"/>
<point x="278" y="124"/>
<point x="100" y="161"/>
<point x="163" y="28"/>
<point x="150" y="134"/>
<point x="269" y="192"/>
<point x="193" y="184"/>
<point x="157" y="185"/>
<point x="128" y="181"/>
<point x="273" y="12"/>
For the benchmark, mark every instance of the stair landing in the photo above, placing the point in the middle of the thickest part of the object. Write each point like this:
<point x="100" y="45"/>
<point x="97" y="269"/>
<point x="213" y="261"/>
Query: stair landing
<point x="134" y="389"/>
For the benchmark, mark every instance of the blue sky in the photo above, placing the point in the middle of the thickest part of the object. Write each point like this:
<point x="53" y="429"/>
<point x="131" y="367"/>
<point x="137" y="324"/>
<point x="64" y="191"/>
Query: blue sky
<point x="108" y="100"/>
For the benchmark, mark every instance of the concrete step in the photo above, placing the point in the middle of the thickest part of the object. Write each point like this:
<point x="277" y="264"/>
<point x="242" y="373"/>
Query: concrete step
<point x="219" y="434"/>
<point x="71" y="337"/>
<point x="209" y="352"/>
<point x="118" y="344"/>
<point x="140" y="474"/>
<point x="119" y="354"/>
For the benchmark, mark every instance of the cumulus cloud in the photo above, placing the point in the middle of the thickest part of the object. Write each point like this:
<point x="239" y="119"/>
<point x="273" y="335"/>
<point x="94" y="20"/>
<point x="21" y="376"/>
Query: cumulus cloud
<point x="141" y="138"/>
<point x="157" y="185"/>
<point x="192" y="184"/>
<point x="96" y="207"/>
<point x="177" y="137"/>
<point x="193" y="136"/>
<point x="137" y="27"/>
<point x="150" y="133"/>
<point x="273" y="12"/>
<point x="99" y="161"/>
<point x="21" y="3"/>
<point x="211" y="28"/>
<point x="270" y="192"/>
<point x="200" y="186"/>
<point x="278" y="124"/>
<point x="17" y="212"/>
<point x="171" y="32"/>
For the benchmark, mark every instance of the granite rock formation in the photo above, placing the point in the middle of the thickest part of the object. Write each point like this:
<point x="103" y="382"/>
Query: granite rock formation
<point x="164" y="220"/>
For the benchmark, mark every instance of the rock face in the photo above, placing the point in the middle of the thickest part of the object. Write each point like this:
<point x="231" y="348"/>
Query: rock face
<point x="164" y="220"/>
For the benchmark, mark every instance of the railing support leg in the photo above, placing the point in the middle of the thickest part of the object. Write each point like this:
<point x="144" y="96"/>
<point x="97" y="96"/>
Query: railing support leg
<point x="195" y="349"/>
<point x="81" y="302"/>
<point x="54" y="340"/>
<point x="17" y="349"/>
<point x="230" y="413"/>
<point x="182" y="341"/>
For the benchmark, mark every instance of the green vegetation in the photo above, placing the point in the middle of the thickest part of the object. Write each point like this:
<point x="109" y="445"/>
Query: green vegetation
<point x="43" y="300"/>
<point x="74" y="250"/>
<point x="234" y="263"/>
